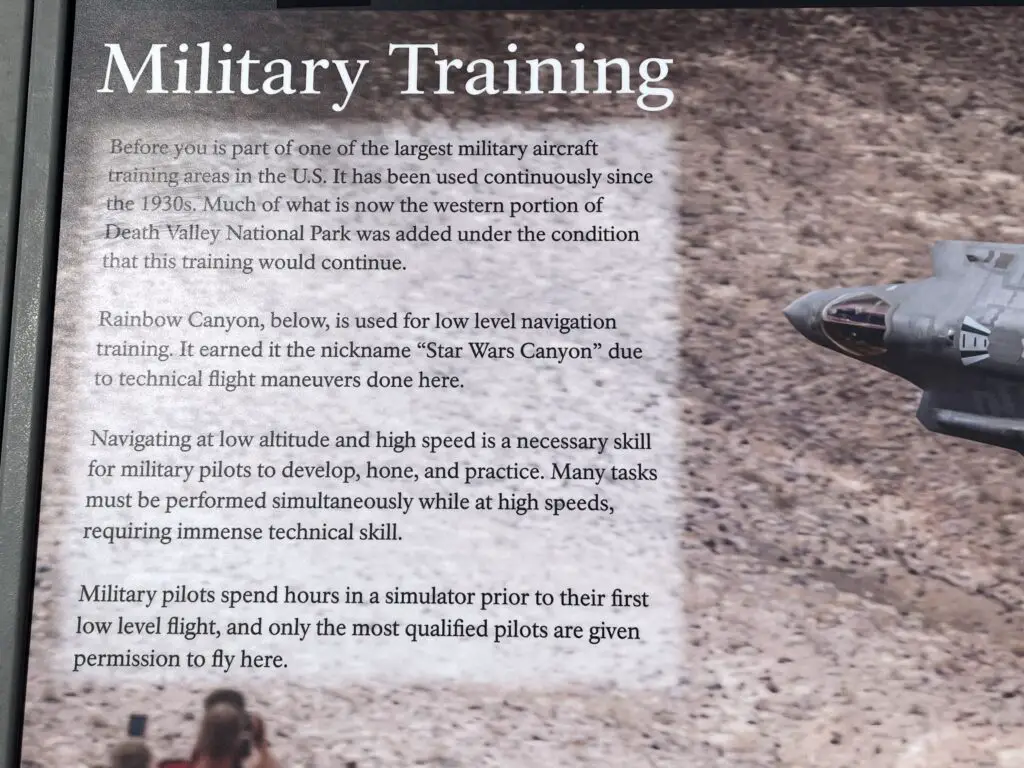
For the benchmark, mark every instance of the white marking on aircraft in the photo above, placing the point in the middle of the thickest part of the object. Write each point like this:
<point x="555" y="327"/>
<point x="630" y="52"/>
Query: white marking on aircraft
<point x="974" y="325"/>
<point x="973" y="341"/>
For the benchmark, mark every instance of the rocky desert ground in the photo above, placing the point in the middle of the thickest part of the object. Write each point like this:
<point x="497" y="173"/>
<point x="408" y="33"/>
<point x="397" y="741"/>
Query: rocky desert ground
<point x="856" y="584"/>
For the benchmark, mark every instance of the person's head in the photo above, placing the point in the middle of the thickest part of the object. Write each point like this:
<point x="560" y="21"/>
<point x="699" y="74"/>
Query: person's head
<point x="132" y="753"/>
<point x="221" y="732"/>
<point x="225" y="696"/>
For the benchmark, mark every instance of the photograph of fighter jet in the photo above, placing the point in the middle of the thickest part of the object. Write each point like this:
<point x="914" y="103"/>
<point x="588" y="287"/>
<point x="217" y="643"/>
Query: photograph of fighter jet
<point x="957" y="335"/>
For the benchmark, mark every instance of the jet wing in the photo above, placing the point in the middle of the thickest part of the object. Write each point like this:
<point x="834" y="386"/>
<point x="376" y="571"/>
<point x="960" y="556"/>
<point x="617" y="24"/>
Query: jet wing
<point x="948" y="258"/>
<point x="956" y="257"/>
<point x="993" y="413"/>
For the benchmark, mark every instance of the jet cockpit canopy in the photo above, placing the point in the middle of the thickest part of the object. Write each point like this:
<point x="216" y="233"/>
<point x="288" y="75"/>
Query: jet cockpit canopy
<point x="856" y="324"/>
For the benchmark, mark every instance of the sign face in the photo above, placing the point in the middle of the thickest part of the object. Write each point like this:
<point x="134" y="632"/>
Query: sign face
<point x="344" y="395"/>
<point x="423" y="379"/>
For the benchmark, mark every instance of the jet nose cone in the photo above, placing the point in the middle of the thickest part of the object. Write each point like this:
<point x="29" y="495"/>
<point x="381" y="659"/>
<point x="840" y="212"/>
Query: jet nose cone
<point x="803" y="315"/>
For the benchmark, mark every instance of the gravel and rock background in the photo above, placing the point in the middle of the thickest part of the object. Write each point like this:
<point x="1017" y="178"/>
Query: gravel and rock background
<point x="856" y="584"/>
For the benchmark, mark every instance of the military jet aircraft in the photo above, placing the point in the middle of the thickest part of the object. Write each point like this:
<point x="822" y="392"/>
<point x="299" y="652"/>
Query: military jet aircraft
<point x="958" y="336"/>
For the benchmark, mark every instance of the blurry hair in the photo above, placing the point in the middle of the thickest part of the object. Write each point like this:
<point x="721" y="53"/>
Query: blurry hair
<point x="132" y="753"/>
<point x="225" y="696"/>
<point x="221" y="731"/>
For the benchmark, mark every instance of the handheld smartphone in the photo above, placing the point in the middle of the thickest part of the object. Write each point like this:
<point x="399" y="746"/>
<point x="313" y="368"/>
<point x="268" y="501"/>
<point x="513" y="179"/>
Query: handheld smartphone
<point x="136" y="726"/>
